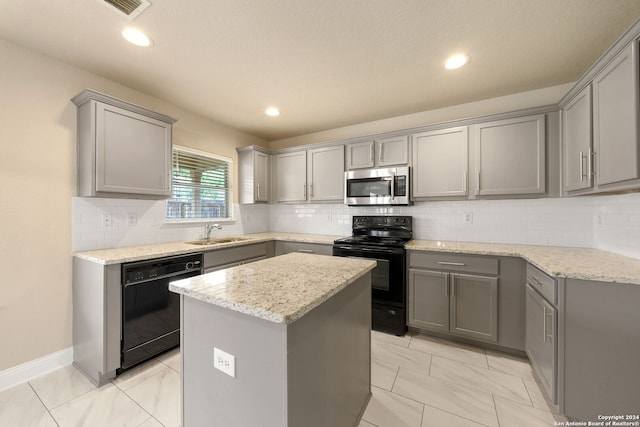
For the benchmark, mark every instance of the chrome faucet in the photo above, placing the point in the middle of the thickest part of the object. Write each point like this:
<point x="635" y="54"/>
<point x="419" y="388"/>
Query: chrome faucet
<point x="210" y="226"/>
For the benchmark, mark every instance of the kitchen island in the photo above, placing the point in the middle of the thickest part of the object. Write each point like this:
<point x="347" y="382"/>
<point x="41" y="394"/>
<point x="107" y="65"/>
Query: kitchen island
<point x="298" y="329"/>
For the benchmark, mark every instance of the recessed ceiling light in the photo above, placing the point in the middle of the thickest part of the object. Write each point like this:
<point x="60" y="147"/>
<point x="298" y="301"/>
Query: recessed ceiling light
<point x="136" y="37"/>
<point x="456" y="61"/>
<point x="272" y="111"/>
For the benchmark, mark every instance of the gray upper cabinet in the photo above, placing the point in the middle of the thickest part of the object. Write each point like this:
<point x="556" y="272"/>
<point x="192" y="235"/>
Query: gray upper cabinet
<point x="253" y="174"/>
<point x="123" y="150"/>
<point x="311" y="175"/>
<point x="291" y="176"/>
<point x="577" y="142"/>
<point x="361" y="155"/>
<point x="615" y="119"/>
<point x="325" y="168"/>
<point x="510" y="157"/>
<point x="383" y="152"/>
<point x="440" y="163"/>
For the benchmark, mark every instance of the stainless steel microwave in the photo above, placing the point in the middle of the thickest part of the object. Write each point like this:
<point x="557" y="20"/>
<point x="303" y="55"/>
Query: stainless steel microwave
<point x="375" y="187"/>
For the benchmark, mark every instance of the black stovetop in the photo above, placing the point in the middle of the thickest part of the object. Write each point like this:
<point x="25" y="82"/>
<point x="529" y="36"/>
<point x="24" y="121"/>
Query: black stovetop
<point x="390" y="231"/>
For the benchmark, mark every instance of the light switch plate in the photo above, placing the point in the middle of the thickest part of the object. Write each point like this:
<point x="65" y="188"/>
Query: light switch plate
<point x="224" y="362"/>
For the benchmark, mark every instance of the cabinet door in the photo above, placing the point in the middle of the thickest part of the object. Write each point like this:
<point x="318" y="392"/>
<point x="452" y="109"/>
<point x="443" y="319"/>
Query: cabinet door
<point x="429" y="300"/>
<point x="577" y="142"/>
<point x="474" y="306"/>
<point x="440" y="160"/>
<point x="360" y="155"/>
<point x="615" y="118"/>
<point x="393" y="151"/>
<point x="541" y="341"/>
<point x="133" y="152"/>
<point x="261" y="176"/>
<point x="291" y="177"/>
<point x="510" y="156"/>
<point x="326" y="173"/>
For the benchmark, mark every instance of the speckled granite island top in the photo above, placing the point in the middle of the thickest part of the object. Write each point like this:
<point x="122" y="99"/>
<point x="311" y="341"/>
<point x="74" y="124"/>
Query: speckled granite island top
<point x="280" y="289"/>
<point x="558" y="261"/>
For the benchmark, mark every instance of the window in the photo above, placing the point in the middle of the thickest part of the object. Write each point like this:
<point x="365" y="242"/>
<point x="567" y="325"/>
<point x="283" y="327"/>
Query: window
<point x="201" y="186"/>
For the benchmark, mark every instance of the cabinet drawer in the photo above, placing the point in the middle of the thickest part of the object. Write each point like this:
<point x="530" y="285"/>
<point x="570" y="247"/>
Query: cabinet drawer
<point x="309" y="248"/>
<point x="232" y="255"/>
<point x="542" y="283"/>
<point x="453" y="262"/>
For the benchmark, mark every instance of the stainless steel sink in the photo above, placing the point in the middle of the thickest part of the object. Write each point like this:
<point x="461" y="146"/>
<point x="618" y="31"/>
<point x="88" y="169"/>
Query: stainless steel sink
<point x="204" y="242"/>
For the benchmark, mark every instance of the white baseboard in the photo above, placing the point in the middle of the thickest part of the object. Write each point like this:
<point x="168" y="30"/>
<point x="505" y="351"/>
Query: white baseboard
<point x="27" y="371"/>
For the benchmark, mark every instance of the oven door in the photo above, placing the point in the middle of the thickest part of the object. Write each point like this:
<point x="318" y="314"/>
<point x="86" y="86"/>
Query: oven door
<point x="387" y="278"/>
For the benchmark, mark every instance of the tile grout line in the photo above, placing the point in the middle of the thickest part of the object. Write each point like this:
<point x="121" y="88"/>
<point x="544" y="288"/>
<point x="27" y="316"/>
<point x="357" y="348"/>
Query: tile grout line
<point x="45" y="406"/>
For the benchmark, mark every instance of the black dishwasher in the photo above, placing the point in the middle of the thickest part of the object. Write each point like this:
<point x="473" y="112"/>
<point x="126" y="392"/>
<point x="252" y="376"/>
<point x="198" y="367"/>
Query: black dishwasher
<point x="150" y="312"/>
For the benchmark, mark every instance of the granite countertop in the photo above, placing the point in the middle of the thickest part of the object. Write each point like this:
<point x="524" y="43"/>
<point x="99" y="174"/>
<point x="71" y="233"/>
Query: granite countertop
<point x="143" y="252"/>
<point x="558" y="261"/>
<point x="280" y="289"/>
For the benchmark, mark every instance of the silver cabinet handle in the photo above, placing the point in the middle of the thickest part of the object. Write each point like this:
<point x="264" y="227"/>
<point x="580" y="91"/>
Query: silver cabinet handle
<point x="373" y="153"/>
<point x="591" y="161"/>
<point x="544" y="323"/>
<point x="306" y="251"/>
<point x="535" y="281"/>
<point x="581" y="166"/>
<point x="460" y="264"/>
<point x="311" y="190"/>
<point x="547" y="313"/>
<point x="258" y="185"/>
<point x="478" y="184"/>
<point x="465" y="182"/>
<point x="453" y="286"/>
<point x="304" y="191"/>
<point x="380" y="154"/>
<point x="446" y="284"/>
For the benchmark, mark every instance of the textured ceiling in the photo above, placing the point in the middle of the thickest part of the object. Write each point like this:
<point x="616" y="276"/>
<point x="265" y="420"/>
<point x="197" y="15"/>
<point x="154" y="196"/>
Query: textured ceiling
<point x="326" y="63"/>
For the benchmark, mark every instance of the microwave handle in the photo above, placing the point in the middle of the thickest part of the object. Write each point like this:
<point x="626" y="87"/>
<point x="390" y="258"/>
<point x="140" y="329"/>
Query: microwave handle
<point x="393" y="185"/>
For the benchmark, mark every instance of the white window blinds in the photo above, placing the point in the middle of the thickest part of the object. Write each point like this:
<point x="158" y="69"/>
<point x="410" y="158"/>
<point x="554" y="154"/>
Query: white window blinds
<point x="201" y="186"/>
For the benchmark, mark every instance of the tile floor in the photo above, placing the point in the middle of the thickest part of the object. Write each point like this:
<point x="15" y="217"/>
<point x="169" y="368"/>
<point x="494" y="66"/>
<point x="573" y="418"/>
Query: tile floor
<point x="417" y="381"/>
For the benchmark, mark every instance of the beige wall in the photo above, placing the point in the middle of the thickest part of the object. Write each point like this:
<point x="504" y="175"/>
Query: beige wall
<point x="38" y="176"/>
<point x="518" y="101"/>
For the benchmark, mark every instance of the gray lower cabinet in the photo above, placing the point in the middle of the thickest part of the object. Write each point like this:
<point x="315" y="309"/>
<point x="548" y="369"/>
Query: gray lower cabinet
<point x="461" y="304"/>
<point x="541" y="340"/>
<point x="282" y="248"/>
<point x="475" y="297"/>
<point x="220" y="259"/>
<point x="97" y="319"/>
<point x="123" y="150"/>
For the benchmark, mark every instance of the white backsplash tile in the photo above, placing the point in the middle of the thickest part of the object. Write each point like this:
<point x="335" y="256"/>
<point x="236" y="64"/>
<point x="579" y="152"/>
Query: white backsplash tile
<point x="610" y="223"/>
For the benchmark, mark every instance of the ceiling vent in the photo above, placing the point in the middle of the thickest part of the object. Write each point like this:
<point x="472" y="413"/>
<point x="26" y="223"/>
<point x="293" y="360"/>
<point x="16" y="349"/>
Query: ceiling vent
<point x="128" y="8"/>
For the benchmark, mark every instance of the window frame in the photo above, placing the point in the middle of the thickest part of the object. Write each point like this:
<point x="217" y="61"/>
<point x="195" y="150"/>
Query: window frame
<point x="230" y="182"/>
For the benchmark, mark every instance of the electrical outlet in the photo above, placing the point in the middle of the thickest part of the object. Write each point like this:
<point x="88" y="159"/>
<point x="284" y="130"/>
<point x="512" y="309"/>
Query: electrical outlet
<point x="224" y="362"/>
<point x="467" y="217"/>
<point x="329" y="217"/>
<point x="107" y="221"/>
<point x="132" y="218"/>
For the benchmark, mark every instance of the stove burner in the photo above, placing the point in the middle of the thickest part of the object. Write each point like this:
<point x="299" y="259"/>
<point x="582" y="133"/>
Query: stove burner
<point x="391" y="231"/>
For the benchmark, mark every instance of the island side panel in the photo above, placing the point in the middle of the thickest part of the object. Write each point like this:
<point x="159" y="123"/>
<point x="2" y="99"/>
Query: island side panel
<point x="329" y="364"/>
<point x="257" y="395"/>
